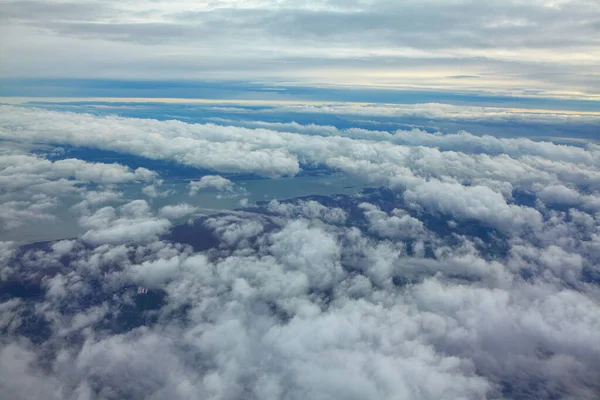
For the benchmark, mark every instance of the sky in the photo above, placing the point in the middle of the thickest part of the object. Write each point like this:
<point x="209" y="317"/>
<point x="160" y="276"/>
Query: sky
<point x="547" y="48"/>
<point x="277" y="200"/>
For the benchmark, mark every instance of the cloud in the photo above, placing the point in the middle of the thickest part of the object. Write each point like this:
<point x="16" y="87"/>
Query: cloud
<point x="80" y="170"/>
<point x="476" y="202"/>
<point x="206" y="147"/>
<point x="177" y="211"/>
<point x="96" y="198"/>
<point x="379" y="43"/>
<point x="33" y="186"/>
<point x="471" y="273"/>
<point x="153" y="192"/>
<point x="308" y="209"/>
<point x="39" y="175"/>
<point x="19" y="380"/>
<point x="131" y="222"/>
<point x="399" y="224"/>
<point x="559" y="194"/>
<point x="478" y="175"/>
<point x="290" y="305"/>
<point x="211" y="182"/>
<point x="235" y="231"/>
<point x="437" y="111"/>
<point x="271" y="153"/>
<point x="552" y="261"/>
<point x="93" y="199"/>
<point x="14" y="214"/>
<point x="310" y="250"/>
<point x="286" y="299"/>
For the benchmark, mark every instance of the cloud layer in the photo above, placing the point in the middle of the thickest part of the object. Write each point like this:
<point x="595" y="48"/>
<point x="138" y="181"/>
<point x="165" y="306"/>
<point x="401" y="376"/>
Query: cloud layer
<point x="471" y="272"/>
<point x="542" y="47"/>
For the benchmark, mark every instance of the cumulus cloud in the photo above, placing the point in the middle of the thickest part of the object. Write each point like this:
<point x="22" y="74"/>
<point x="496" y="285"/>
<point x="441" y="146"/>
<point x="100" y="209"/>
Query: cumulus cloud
<point x="177" y="211"/>
<point x="308" y="209"/>
<point x="399" y="224"/>
<point x="519" y="163"/>
<point x="309" y="249"/>
<point x="559" y="194"/>
<point x="27" y="171"/>
<point x="230" y="151"/>
<point x="32" y="187"/>
<point x="211" y="182"/>
<point x="476" y="202"/>
<point x="96" y="198"/>
<point x="472" y="273"/>
<point x="18" y="213"/>
<point x="132" y="222"/>
<point x="234" y="230"/>
<point x="153" y="191"/>
<point x="289" y="299"/>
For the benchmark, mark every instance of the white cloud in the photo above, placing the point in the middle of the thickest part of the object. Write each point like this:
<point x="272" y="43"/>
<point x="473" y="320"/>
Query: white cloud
<point x="402" y="293"/>
<point x="559" y="194"/>
<point x="519" y="162"/>
<point x="64" y="247"/>
<point x="153" y="190"/>
<point x="476" y="202"/>
<point x="177" y="211"/>
<point x="28" y="171"/>
<point x="398" y="225"/>
<point x="95" y="198"/>
<point x="308" y="209"/>
<point x="14" y="213"/>
<point x="133" y="224"/>
<point x="476" y="185"/>
<point x="287" y="303"/>
<point x="20" y="379"/>
<point x="35" y="187"/>
<point x="310" y="250"/>
<point x="234" y="230"/>
<point x="211" y="182"/>
<point x="435" y="111"/>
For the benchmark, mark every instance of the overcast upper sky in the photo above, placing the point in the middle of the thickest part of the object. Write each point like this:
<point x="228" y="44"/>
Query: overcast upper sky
<point x="536" y="47"/>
